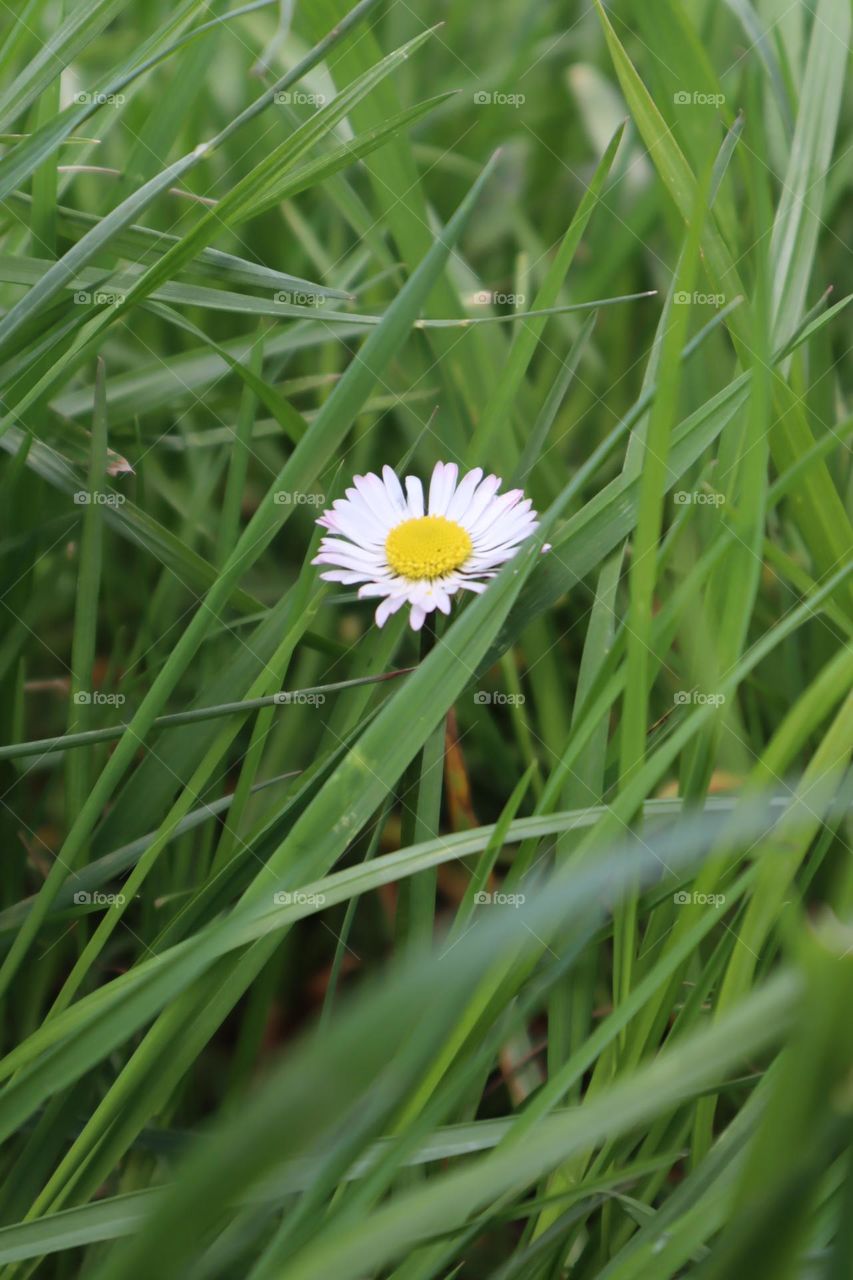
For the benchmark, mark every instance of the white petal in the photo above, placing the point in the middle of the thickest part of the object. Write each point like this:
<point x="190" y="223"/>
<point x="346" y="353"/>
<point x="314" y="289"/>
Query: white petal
<point x="501" y="508"/>
<point x="333" y="547"/>
<point x="481" y="498"/>
<point x="435" y="483"/>
<point x="377" y="499"/>
<point x="347" y="576"/>
<point x="384" y="587"/>
<point x="442" y="487"/>
<point x="351" y="523"/>
<point x="364" y="572"/>
<point x="415" y="490"/>
<point x="361" y="511"/>
<point x="491" y="558"/>
<point x="505" y="533"/>
<point x="416" y="617"/>
<point x="395" y="490"/>
<point x="387" y="608"/>
<point x="451" y="476"/>
<point x="464" y="493"/>
<point x="430" y="595"/>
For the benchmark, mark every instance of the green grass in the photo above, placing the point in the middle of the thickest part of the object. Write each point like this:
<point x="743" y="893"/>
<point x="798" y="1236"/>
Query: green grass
<point x="258" y="1020"/>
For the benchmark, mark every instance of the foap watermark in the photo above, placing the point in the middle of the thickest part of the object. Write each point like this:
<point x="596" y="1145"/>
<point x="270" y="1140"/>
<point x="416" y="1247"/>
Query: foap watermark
<point x="683" y="298"/>
<point x="96" y="698"/>
<point x="498" y="899"/>
<point x="683" y="98"/>
<point x="488" y="298"/>
<point x="685" y="898"/>
<point x="300" y="298"/>
<point x="98" y="498"/>
<point x="97" y="298"/>
<point x="484" y="698"/>
<point x="299" y="98"/>
<point x="296" y="498"/>
<point x="694" y="697"/>
<point x="298" y="898"/>
<point x="83" y="898"/>
<point x="300" y="698"/>
<point x="698" y="498"/>
<point x="85" y="99"/>
<point x="496" y="98"/>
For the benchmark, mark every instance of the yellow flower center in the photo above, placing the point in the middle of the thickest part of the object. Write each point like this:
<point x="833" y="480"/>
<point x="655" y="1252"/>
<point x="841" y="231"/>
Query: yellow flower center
<point x="427" y="547"/>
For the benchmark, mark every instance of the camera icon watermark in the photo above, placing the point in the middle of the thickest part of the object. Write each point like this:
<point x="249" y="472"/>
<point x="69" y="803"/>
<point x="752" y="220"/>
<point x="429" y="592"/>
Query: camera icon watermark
<point x="499" y="899"/>
<point x="485" y="698"/>
<point x="97" y="298"/>
<point x="698" y="99"/>
<point x="299" y="98"/>
<point x="97" y="698"/>
<point x="283" y="898"/>
<point x="296" y="498"/>
<point x="683" y="298"/>
<point x="98" y="498"/>
<point x="698" y="497"/>
<point x="84" y="99"/>
<point x="300" y="298"/>
<point x="487" y="298"/>
<point x="694" y="697"/>
<point x="496" y="98"/>
<point x="299" y="699"/>
<point x="684" y="898"/>
<point x="83" y="898"/>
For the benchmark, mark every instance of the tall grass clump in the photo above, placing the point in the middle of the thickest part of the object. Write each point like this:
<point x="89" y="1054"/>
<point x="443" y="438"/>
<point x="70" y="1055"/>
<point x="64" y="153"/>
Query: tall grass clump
<point x="405" y="876"/>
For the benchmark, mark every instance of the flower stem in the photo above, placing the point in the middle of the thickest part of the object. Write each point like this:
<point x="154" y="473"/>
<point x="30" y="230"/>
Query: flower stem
<point x="420" y="796"/>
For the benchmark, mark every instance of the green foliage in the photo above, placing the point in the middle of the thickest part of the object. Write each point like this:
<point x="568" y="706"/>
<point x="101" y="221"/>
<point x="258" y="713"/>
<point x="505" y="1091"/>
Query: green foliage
<point x="526" y="952"/>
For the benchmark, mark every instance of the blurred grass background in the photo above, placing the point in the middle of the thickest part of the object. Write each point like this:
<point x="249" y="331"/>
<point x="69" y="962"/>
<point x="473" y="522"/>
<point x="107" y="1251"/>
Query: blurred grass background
<point x="250" y="251"/>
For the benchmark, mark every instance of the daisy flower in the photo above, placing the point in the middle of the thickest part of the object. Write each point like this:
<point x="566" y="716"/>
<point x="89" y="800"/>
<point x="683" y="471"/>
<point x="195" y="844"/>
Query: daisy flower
<point x="404" y="549"/>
